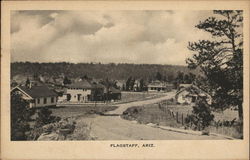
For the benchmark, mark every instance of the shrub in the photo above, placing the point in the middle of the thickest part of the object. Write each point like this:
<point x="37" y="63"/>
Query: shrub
<point x="44" y="117"/>
<point x="20" y="117"/>
<point x="201" y="115"/>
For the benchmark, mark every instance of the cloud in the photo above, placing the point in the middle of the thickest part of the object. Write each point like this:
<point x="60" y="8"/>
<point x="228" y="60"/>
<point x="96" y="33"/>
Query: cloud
<point x="104" y="36"/>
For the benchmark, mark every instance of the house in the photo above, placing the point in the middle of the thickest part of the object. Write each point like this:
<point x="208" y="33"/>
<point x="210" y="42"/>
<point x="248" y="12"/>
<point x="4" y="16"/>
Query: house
<point x="86" y="91"/>
<point x="190" y="94"/>
<point x="78" y="92"/>
<point x="113" y="94"/>
<point x="159" y="86"/>
<point x="121" y="84"/>
<point x="37" y="95"/>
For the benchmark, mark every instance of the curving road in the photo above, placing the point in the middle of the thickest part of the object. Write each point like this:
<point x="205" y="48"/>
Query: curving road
<point x="122" y="107"/>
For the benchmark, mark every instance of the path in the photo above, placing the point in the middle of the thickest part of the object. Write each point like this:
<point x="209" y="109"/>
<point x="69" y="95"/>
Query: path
<point x="122" y="107"/>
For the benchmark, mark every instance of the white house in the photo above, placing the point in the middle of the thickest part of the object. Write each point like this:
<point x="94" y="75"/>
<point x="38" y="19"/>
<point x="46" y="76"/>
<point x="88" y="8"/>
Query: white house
<point x="82" y="92"/>
<point x="190" y="94"/>
<point x="37" y="96"/>
<point x="159" y="86"/>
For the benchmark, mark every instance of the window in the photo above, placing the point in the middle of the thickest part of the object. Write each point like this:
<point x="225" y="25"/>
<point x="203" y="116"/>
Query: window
<point x="52" y="99"/>
<point x="38" y="101"/>
<point x="45" y="100"/>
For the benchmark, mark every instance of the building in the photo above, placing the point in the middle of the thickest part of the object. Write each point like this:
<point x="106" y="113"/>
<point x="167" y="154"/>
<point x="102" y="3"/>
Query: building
<point x="159" y="86"/>
<point x="37" y="96"/>
<point x="85" y="91"/>
<point x="112" y="94"/>
<point x="190" y="94"/>
<point x="80" y="91"/>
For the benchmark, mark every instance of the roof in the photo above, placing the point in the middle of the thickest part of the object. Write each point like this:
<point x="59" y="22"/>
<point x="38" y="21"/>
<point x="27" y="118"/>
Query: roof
<point x="185" y="85"/>
<point x="158" y="83"/>
<point x="84" y="84"/>
<point x="193" y="90"/>
<point x="114" y="90"/>
<point x="37" y="91"/>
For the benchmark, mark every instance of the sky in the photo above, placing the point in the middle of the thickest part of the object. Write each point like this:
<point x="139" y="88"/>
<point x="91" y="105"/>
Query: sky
<point x="140" y="36"/>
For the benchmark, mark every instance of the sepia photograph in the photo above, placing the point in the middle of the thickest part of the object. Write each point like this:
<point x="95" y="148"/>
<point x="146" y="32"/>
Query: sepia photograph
<point x="125" y="80"/>
<point x="126" y="75"/>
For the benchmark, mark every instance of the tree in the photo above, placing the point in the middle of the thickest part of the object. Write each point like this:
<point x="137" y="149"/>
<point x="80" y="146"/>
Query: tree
<point x="44" y="116"/>
<point x="128" y="83"/>
<point x="27" y="83"/>
<point x="201" y="115"/>
<point x="221" y="59"/>
<point x="158" y="76"/>
<point x="142" y="85"/>
<point x="180" y="77"/>
<point x="20" y="116"/>
<point x="66" y="80"/>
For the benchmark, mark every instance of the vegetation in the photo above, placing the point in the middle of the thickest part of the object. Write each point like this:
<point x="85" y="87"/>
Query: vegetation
<point x="221" y="59"/>
<point x="98" y="71"/>
<point x="201" y="115"/>
<point x="20" y="117"/>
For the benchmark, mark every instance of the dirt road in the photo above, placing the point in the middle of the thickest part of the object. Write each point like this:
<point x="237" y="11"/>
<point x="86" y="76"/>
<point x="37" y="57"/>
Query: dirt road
<point x="115" y="128"/>
<point x="123" y="107"/>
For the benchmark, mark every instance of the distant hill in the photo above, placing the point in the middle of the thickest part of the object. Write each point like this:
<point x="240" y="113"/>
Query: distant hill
<point x="98" y="71"/>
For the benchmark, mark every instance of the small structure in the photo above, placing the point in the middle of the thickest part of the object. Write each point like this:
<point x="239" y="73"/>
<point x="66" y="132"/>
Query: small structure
<point x="37" y="96"/>
<point x="113" y="94"/>
<point x="190" y="94"/>
<point x="160" y="86"/>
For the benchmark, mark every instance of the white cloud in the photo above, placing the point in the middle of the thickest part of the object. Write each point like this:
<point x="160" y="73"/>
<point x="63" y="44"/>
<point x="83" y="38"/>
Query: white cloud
<point x="113" y="36"/>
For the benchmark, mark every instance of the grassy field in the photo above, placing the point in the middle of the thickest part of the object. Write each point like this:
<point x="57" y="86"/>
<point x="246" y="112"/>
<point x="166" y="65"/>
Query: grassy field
<point x="153" y="114"/>
<point x="150" y="114"/>
<point x="75" y="111"/>
<point x="136" y="96"/>
<point x="226" y="115"/>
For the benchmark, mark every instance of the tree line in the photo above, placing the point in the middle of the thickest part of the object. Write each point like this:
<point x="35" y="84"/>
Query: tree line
<point x="99" y="71"/>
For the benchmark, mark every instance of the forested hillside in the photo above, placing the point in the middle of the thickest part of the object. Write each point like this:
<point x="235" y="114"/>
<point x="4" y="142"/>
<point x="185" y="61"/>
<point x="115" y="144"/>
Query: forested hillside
<point x="99" y="71"/>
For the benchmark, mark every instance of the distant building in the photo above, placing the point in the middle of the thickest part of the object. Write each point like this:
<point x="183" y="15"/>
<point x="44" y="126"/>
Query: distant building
<point x="80" y="91"/>
<point x="113" y="94"/>
<point x="37" y="96"/>
<point x="158" y="86"/>
<point x="85" y="91"/>
<point x="190" y="94"/>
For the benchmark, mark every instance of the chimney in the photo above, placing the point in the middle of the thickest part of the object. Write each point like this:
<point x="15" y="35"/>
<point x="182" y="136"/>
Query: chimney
<point x="30" y="85"/>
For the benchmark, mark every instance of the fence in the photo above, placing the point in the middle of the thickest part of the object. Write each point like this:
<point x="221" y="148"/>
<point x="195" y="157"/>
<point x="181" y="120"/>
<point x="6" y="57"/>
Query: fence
<point x="179" y="117"/>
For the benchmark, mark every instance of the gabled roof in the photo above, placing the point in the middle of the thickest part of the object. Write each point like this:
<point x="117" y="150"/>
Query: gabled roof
<point x="36" y="91"/>
<point x="193" y="90"/>
<point x="114" y="90"/>
<point x="84" y="84"/>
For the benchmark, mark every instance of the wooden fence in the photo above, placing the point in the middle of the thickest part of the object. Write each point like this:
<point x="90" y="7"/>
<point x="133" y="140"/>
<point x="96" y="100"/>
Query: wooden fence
<point x="179" y="117"/>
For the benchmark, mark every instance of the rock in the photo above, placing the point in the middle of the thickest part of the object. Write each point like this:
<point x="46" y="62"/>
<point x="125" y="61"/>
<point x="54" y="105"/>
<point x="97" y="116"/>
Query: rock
<point x="48" y="137"/>
<point x="205" y="133"/>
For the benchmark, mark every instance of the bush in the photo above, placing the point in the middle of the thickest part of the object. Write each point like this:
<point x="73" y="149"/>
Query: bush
<point x="20" y="117"/>
<point x="201" y="116"/>
<point x="44" y="117"/>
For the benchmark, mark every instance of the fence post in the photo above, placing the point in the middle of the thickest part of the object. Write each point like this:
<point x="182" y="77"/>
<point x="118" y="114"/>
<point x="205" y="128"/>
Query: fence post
<point x="182" y="119"/>
<point x="177" y="117"/>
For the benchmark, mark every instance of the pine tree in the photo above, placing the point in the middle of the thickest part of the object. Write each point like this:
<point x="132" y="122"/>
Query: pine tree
<point x="221" y="59"/>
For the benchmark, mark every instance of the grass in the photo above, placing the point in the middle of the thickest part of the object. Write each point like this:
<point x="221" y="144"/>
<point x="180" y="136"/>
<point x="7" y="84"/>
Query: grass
<point x="153" y="114"/>
<point x="150" y="114"/>
<point x="137" y="96"/>
<point x="76" y="111"/>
